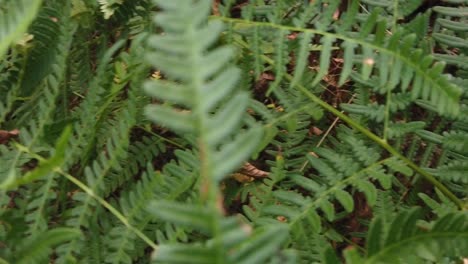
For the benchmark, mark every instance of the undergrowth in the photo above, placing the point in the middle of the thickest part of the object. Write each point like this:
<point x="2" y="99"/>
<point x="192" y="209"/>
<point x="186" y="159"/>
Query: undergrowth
<point x="261" y="131"/>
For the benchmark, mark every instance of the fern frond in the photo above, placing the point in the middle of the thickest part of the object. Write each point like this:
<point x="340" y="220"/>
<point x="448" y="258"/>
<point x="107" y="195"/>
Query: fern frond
<point x="93" y="103"/>
<point x="379" y="53"/>
<point x="38" y="249"/>
<point x="171" y="185"/>
<point x="338" y="172"/>
<point x="441" y="207"/>
<point x="446" y="238"/>
<point x="116" y="148"/>
<point x="131" y="191"/>
<point x="16" y="18"/>
<point x="10" y="85"/>
<point x="200" y="93"/>
<point x="199" y="110"/>
<point x="108" y="7"/>
<point x="31" y="134"/>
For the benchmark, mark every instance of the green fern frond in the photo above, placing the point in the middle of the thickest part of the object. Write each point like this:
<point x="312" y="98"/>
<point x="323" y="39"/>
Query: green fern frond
<point x="81" y="158"/>
<point x="200" y="93"/>
<point x="31" y="134"/>
<point x="454" y="171"/>
<point x="338" y="172"/>
<point x="122" y="246"/>
<point x="16" y="18"/>
<point x="108" y="7"/>
<point x="261" y="195"/>
<point x="10" y="82"/>
<point x="93" y="103"/>
<point x="440" y="208"/>
<point x="378" y="53"/>
<point x="95" y="176"/>
<point x="199" y="100"/>
<point x="38" y="249"/>
<point x="446" y="238"/>
<point x="456" y="141"/>
<point x="104" y="165"/>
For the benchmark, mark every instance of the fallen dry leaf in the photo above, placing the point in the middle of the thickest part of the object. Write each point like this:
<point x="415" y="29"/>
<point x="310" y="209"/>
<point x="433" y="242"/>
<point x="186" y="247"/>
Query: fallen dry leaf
<point x="6" y="135"/>
<point x="250" y="170"/>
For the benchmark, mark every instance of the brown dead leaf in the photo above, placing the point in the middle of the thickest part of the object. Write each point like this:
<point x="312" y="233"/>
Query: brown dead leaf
<point x="336" y="14"/>
<point x="6" y="135"/>
<point x="292" y="36"/>
<point x="250" y="170"/>
<point x="215" y="8"/>
<point x="282" y="219"/>
<point x="315" y="131"/>
<point x="267" y="76"/>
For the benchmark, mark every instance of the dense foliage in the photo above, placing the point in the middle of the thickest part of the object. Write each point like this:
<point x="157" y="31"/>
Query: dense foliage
<point x="261" y="131"/>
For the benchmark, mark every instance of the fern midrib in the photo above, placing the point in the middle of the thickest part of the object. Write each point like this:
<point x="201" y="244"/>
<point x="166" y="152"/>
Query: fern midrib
<point x="205" y="150"/>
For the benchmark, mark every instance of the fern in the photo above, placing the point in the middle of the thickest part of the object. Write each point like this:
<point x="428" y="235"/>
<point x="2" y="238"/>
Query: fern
<point x="171" y="185"/>
<point x="197" y="117"/>
<point x="116" y="149"/>
<point x="16" y="17"/>
<point x="433" y="245"/>
<point x="108" y="7"/>
<point x="233" y="131"/>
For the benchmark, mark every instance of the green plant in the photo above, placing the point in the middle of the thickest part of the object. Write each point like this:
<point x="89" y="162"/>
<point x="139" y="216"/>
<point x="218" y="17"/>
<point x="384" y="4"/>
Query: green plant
<point x="124" y="141"/>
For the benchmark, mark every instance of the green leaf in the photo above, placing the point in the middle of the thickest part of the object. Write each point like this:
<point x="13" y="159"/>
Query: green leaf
<point x="399" y="166"/>
<point x="351" y="256"/>
<point x="314" y="220"/>
<point x="368" y="61"/>
<point x="219" y="87"/>
<point x="291" y="123"/>
<point x="229" y="116"/>
<point x="177" y="120"/>
<point x="368" y="189"/>
<point x="263" y="244"/>
<point x="374" y="237"/>
<point x="325" y="56"/>
<point x="345" y="199"/>
<point x="188" y="215"/>
<point x="348" y="59"/>
<point x="406" y="242"/>
<point x="302" y="57"/>
<point x="270" y="133"/>
<point x="328" y="209"/>
<point x="37" y="249"/>
<point x="169" y="91"/>
<point x="181" y="254"/>
<point x="234" y="153"/>
<point x="15" y="17"/>
<point x="49" y="165"/>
